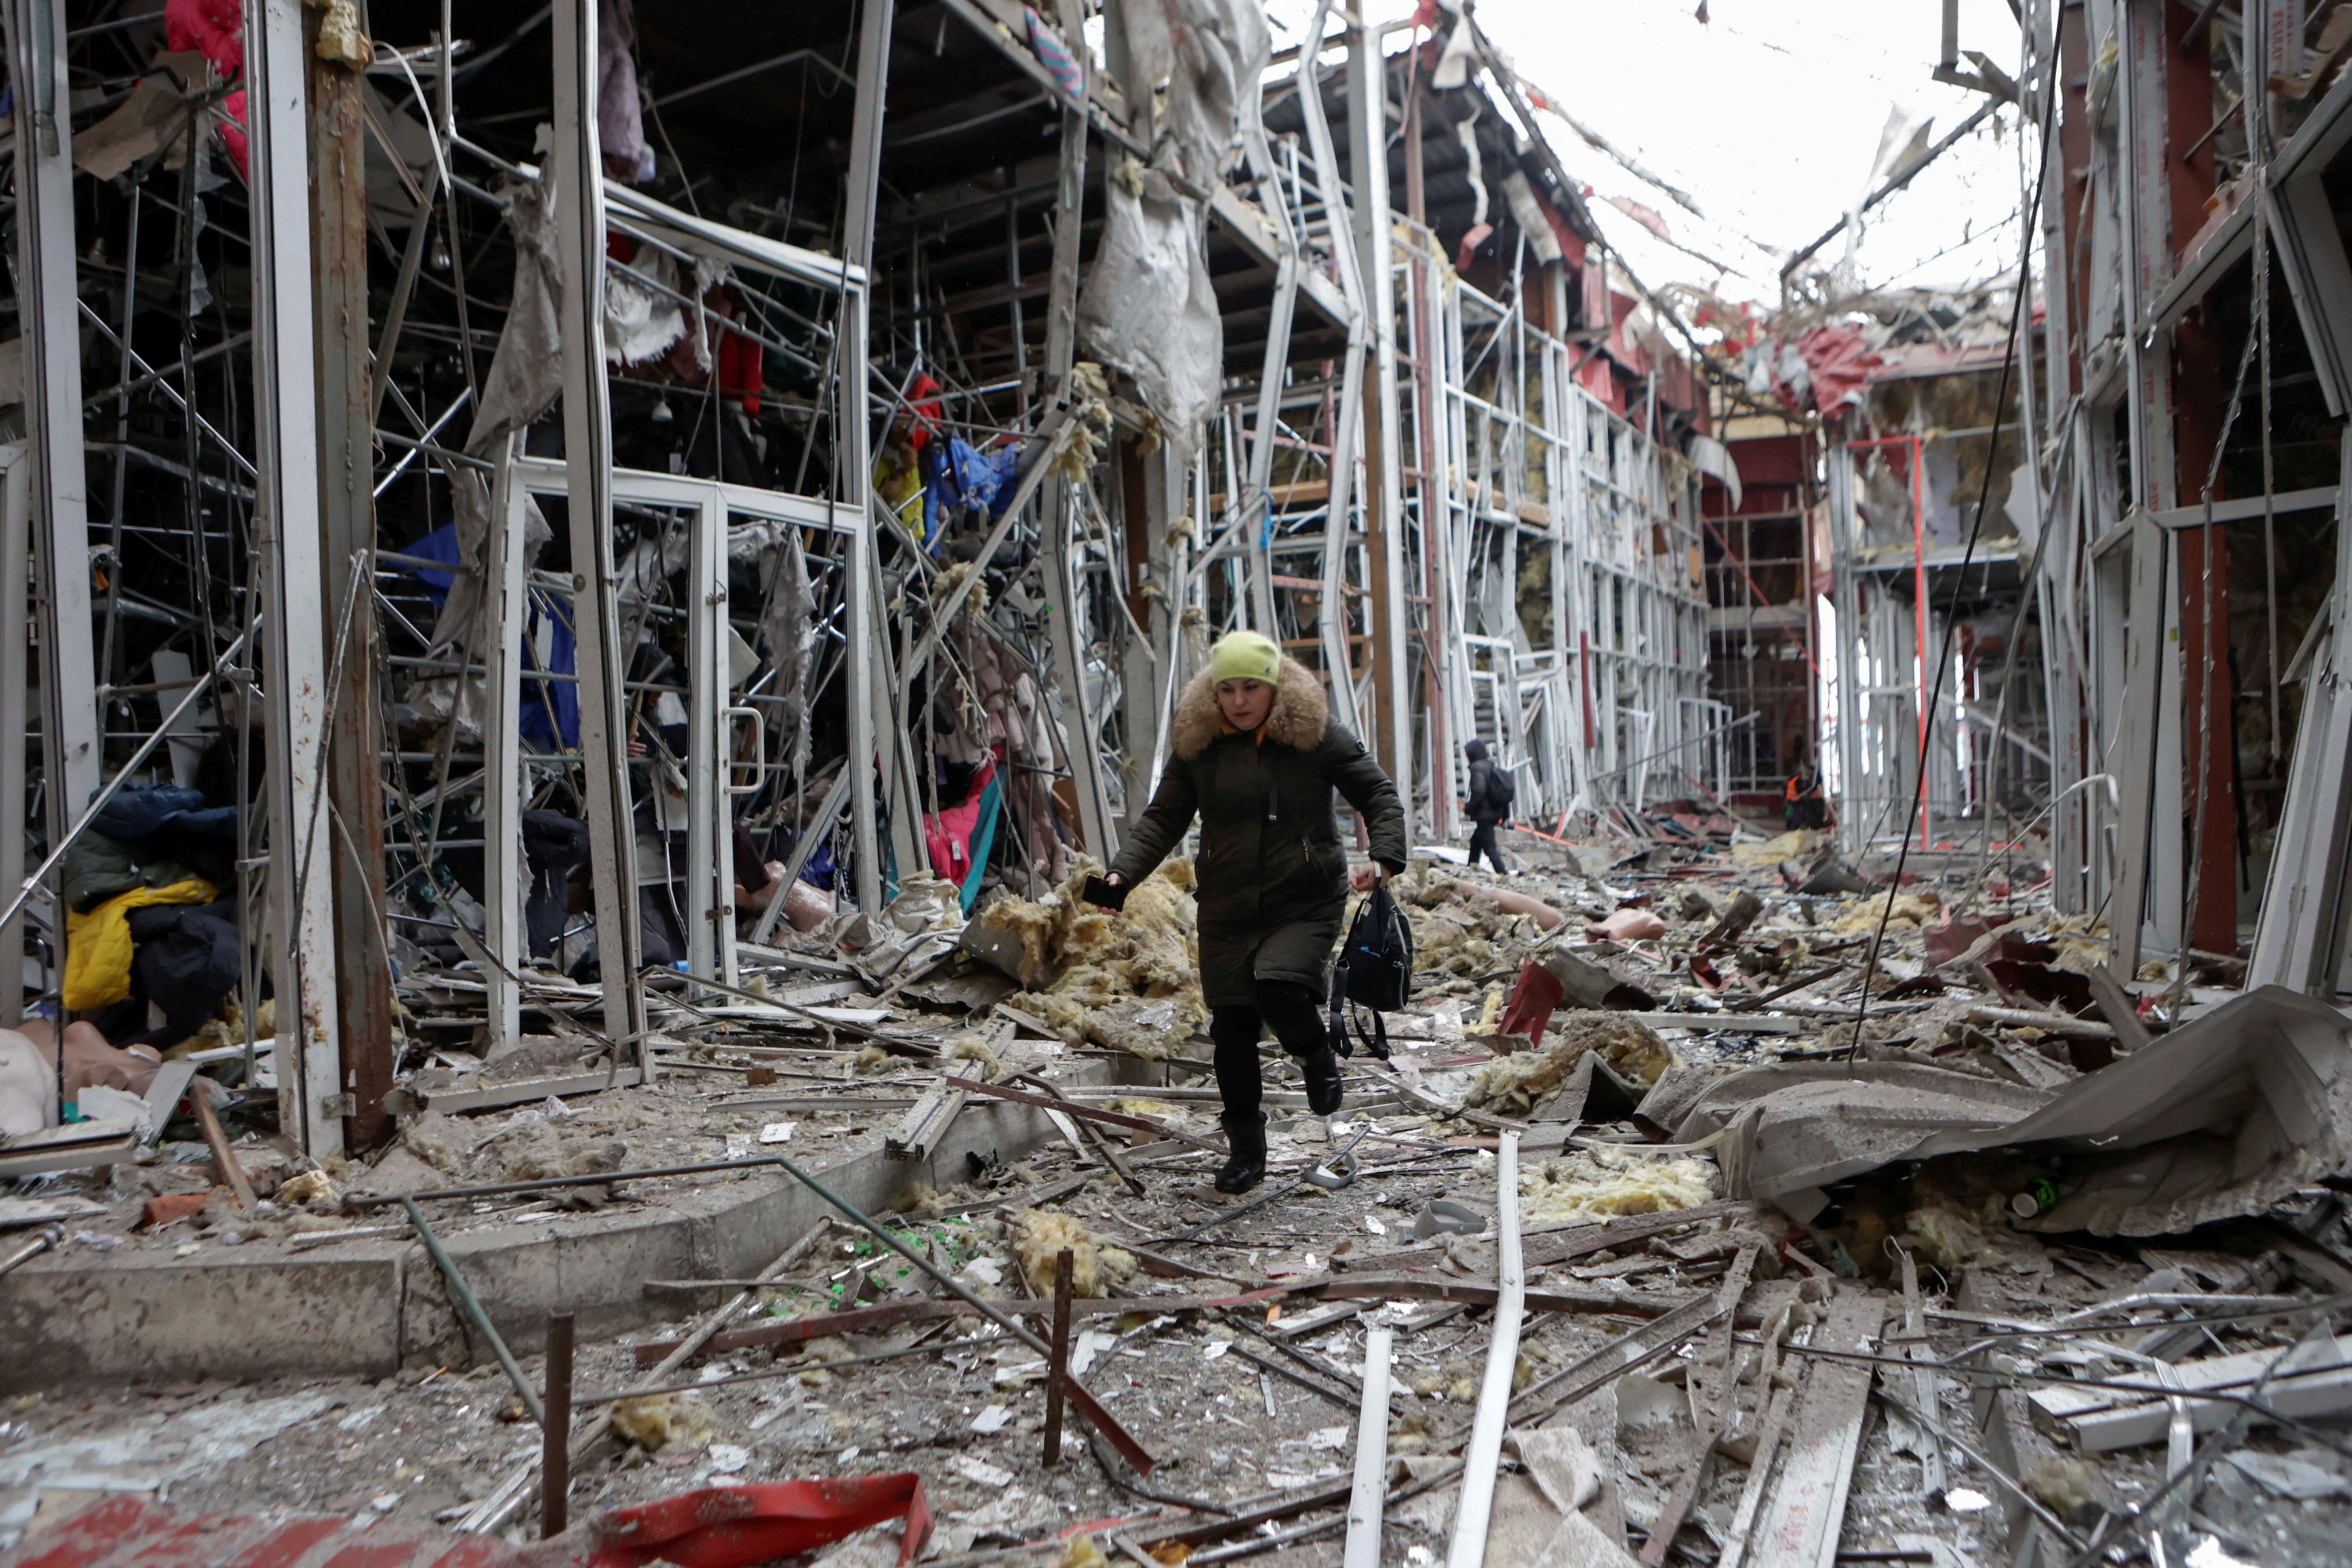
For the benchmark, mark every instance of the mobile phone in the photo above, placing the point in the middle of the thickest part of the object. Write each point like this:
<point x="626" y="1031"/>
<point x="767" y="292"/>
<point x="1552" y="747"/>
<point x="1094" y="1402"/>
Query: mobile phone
<point x="1109" y="895"/>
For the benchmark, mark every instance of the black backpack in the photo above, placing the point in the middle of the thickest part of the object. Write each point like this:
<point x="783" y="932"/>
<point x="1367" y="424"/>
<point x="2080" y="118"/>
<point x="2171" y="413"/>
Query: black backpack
<point x="1375" y="971"/>
<point x="1503" y="790"/>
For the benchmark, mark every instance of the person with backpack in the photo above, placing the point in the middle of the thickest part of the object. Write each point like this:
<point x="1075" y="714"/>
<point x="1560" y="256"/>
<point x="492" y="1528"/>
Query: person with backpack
<point x="1256" y="754"/>
<point x="1490" y="804"/>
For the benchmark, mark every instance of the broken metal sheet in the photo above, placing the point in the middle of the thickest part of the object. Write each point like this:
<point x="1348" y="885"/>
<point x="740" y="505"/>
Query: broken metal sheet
<point x="2222" y="1117"/>
<point x="1793" y="1128"/>
<point x="152" y="118"/>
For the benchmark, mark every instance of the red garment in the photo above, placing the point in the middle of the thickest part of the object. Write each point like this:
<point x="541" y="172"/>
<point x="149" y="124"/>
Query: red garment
<point x="743" y="368"/>
<point x="233" y="136"/>
<point x="923" y="397"/>
<point x="946" y="836"/>
<point x="737" y="359"/>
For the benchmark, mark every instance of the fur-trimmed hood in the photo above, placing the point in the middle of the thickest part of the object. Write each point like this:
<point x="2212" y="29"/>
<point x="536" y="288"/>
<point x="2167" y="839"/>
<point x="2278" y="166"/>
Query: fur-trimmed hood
<point x="1299" y="716"/>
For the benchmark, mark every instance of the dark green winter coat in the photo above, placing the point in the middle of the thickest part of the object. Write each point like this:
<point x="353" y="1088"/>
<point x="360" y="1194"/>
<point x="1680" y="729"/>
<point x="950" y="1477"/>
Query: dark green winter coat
<point x="1272" y="875"/>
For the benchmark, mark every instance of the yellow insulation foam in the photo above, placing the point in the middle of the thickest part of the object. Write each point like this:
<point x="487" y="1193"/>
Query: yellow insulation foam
<point x="1128" y="981"/>
<point x="1859" y="917"/>
<point x="1601" y="1184"/>
<point x="1038" y="1235"/>
<point x="1522" y="1081"/>
<point x="1791" y="845"/>
<point x="654" y="1421"/>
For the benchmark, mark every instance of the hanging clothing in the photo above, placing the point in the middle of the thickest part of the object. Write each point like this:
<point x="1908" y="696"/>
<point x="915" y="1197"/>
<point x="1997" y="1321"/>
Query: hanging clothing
<point x="552" y="844"/>
<point x="188" y="960"/>
<point x="99" y="946"/>
<point x="948" y="835"/>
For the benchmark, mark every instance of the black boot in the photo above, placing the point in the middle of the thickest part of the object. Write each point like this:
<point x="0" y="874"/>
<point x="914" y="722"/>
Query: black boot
<point x="1323" y="1086"/>
<point x="1245" y="1137"/>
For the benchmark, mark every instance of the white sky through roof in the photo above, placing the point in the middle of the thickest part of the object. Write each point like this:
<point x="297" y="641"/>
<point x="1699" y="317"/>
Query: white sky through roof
<point x="1767" y="116"/>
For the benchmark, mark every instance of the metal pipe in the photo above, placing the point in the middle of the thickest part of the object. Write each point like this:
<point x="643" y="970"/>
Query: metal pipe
<point x="32" y="1249"/>
<point x="531" y="1400"/>
<point x="555" y="1431"/>
<point x="1132" y="1451"/>
<point x="151" y="373"/>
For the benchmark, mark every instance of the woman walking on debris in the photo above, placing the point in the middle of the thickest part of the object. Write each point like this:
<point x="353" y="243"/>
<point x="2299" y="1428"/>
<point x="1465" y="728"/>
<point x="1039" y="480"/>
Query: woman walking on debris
<point x="1256" y="754"/>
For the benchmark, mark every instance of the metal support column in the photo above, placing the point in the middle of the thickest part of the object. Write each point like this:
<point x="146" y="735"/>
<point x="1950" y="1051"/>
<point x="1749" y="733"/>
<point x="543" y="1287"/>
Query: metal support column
<point x="352" y="855"/>
<point x="48" y="320"/>
<point x="504" y="868"/>
<point x="852" y="470"/>
<point x="1147" y="482"/>
<point x="1846" y="602"/>
<point x="300" y="630"/>
<point x="588" y="453"/>
<point x="1347" y="422"/>
<point x="1055" y="520"/>
<point x="15" y="648"/>
<point x="709" y="884"/>
<point x="1368" y="140"/>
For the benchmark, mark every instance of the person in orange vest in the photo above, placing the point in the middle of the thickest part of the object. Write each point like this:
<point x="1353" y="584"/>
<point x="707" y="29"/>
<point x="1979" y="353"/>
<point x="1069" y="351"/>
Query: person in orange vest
<point x="1807" y="807"/>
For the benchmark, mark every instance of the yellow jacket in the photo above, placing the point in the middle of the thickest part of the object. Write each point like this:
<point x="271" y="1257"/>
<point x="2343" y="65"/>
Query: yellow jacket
<point x="98" y="944"/>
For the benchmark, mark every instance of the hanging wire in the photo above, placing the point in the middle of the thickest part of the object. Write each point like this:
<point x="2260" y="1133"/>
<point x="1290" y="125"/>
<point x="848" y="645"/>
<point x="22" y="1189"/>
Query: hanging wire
<point x="1968" y="557"/>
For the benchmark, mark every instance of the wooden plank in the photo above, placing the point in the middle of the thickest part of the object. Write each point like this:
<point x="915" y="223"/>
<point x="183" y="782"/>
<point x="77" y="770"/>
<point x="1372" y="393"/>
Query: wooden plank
<point x="1552" y="1244"/>
<point x="1923" y="1377"/>
<point x="1736" y="1552"/>
<point x="1071" y="1108"/>
<point x="216" y="1139"/>
<point x="84" y="1146"/>
<point x="2116" y="1006"/>
<point x="1316" y="1321"/>
<point x="1798" y="1523"/>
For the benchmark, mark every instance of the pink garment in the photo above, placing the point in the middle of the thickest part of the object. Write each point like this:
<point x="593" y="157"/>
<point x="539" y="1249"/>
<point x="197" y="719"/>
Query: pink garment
<point x="215" y="29"/>
<point x="620" y="116"/>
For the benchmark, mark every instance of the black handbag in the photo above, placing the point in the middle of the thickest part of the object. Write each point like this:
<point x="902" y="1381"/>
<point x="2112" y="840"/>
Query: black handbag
<point x="1374" y="972"/>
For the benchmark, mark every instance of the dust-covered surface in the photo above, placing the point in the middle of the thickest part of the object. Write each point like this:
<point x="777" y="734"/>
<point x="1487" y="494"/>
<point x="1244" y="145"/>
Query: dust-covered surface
<point x="1252" y="1402"/>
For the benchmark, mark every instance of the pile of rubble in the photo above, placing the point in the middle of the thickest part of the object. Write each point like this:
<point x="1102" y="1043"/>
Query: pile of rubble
<point x="2006" y="1250"/>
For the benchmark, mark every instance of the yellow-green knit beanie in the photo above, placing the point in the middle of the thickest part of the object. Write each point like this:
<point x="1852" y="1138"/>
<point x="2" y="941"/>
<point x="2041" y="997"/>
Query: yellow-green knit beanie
<point x="1245" y="655"/>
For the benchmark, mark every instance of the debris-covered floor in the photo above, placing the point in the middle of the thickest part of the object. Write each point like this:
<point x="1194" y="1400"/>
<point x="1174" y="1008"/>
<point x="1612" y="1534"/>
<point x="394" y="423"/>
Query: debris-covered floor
<point x="1964" y="1340"/>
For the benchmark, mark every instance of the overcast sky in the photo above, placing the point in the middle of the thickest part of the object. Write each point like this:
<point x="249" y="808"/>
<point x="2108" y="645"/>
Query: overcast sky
<point x="1767" y="116"/>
